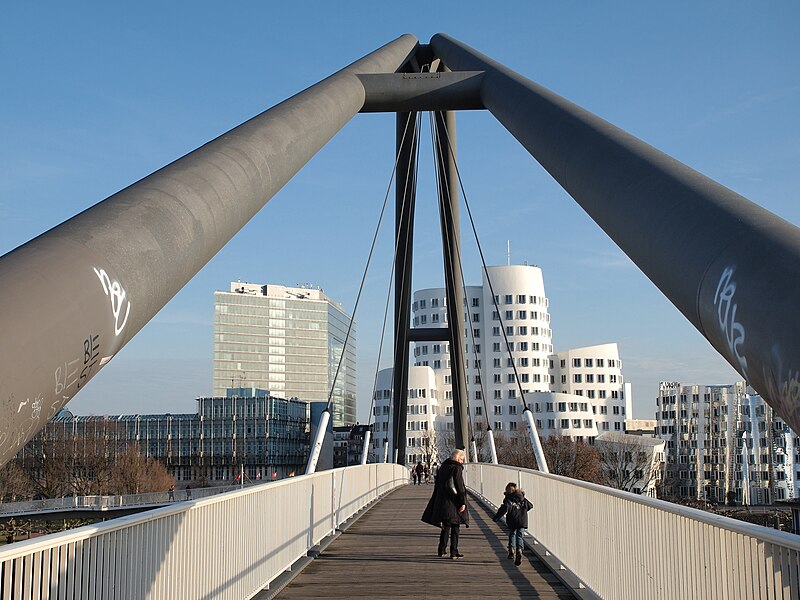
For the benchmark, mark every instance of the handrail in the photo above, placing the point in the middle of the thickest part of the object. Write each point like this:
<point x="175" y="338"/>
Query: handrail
<point x="623" y="545"/>
<point x="230" y="545"/>
<point x="102" y="502"/>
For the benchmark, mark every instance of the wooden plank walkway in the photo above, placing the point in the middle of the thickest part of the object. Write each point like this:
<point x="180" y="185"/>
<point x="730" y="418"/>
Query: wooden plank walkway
<point x="390" y="553"/>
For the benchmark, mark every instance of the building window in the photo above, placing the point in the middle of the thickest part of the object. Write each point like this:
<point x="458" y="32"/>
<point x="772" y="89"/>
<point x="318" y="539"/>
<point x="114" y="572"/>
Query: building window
<point x="510" y="330"/>
<point x="576" y="362"/>
<point x="576" y="378"/>
<point x="589" y="378"/>
<point x="509" y="315"/>
<point x="434" y="318"/>
<point x="496" y="331"/>
<point x="523" y="330"/>
<point x="476" y="317"/>
<point x="422" y="303"/>
<point x="520" y="298"/>
<point x="523" y="346"/>
<point x="496" y="347"/>
<point x="512" y="410"/>
<point x="478" y="410"/>
<point x="588" y="362"/>
<point x="509" y="298"/>
<point x="498" y="394"/>
<point x="497" y="378"/>
<point x="600" y="362"/>
<point x="476" y="302"/>
<point x="476" y="333"/>
<point x="564" y="423"/>
<point x="498" y="426"/>
<point x="512" y="425"/>
<point x="522" y="314"/>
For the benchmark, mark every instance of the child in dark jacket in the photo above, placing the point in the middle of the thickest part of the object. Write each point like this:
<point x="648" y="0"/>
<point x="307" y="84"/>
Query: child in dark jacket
<point x="515" y="507"/>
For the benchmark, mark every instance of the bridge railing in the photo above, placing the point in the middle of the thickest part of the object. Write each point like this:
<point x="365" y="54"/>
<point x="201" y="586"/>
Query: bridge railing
<point x="622" y="545"/>
<point x="226" y="546"/>
<point x="108" y="502"/>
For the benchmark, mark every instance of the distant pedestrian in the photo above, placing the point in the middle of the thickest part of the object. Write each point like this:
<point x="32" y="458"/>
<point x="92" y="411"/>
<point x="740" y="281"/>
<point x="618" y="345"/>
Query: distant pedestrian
<point x="413" y="476"/>
<point x="427" y="474"/>
<point x="172" y="493"/>
<point x="515" y="507"/>
<point x="188" y="493"/>
<point x="447" y="508"/>
<point x="420" y="471"/>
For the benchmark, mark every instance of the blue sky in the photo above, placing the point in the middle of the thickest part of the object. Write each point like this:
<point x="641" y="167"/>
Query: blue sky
<point x="95" y="97"/>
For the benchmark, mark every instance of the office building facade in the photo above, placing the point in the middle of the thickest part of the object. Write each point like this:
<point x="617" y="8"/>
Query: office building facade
<point x="288" y="340"/>
<point x="247" y="430"/>
<point x="724" y="444"/>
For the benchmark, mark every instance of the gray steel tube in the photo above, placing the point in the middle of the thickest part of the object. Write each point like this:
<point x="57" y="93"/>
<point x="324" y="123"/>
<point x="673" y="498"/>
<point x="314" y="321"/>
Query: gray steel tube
<point x="730" y="266"/>
<point x="75" y="295"/>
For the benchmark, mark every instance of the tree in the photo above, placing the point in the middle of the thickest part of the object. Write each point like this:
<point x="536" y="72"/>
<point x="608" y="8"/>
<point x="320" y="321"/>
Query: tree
<point x="15" y="485"/>
<point x="134" y="474"/>
<point x="574" y="459"/>
<point x="514" y="449"/>
<point x="430" y="448"/>
<point x="564" y="456"/>
<point x="627" y="463"/>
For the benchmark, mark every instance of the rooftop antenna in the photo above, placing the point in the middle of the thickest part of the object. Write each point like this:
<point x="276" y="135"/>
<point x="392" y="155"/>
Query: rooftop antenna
<point x="508" y="252"/>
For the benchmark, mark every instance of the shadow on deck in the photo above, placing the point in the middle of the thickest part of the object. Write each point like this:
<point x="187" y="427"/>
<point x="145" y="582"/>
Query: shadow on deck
<point x="390" y="553"/>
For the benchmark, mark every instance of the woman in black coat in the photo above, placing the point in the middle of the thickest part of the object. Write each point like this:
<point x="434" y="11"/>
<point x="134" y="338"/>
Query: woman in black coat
<point x="447" y="507"/>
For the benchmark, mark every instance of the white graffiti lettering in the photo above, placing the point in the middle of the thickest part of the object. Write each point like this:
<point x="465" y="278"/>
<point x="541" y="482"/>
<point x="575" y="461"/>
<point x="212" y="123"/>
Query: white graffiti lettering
<point x="36" y="407"/>
<point x="21" y="404"/>
<point x="116" y="293"/>
<point x="726" y="315"/>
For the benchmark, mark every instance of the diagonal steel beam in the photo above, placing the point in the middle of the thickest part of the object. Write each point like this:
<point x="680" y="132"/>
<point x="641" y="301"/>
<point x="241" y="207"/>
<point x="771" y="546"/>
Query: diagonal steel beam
<point x="71" y="298"/>
<point x="730" y="266"/>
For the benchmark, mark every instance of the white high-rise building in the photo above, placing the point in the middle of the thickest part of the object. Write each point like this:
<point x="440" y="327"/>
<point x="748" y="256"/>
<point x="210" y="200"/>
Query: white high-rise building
<point x="578" y="393"/>
<point x="725" y="444"/>
<point x="288" y="340"/>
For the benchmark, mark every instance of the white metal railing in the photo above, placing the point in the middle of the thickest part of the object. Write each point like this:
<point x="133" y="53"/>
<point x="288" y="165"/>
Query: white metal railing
<point x="625" y="546"/>
<point x="102" y="502"/>
<point x="227" y="546"/>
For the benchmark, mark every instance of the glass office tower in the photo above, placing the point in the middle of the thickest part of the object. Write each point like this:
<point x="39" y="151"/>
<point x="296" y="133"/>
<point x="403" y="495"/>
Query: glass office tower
<point x="288" y="340"/>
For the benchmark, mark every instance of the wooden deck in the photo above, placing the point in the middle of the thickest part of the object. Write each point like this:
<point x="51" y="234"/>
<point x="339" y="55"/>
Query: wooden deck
<point x="390" y="553"/>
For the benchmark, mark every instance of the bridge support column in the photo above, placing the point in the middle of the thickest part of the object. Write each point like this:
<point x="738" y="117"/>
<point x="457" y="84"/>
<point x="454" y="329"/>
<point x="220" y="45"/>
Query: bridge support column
<point x="405" y="198"/>
<point x="454" y="284"/>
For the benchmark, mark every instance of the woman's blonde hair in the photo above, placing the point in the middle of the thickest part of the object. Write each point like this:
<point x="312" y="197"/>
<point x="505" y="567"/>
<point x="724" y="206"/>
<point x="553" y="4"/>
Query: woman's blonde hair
<point x="458" y="454"/>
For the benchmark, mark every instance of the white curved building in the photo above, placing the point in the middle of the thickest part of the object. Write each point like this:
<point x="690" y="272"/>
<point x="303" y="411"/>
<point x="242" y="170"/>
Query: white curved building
<point x="579" y="393"/>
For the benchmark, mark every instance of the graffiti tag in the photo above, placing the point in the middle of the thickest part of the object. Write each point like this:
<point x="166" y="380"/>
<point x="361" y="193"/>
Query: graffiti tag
<point x="726" y="315"/>
<point x="116" y="294"/>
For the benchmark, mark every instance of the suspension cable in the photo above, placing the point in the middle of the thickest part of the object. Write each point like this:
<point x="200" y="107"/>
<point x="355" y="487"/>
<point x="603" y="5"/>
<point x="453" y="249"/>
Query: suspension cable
<point x="438" y="160"/>
<point x="486" y="271"/>
<point x="415" y="168"/>
<point x="391" y="279"/>
<point x="366" y="269"/>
